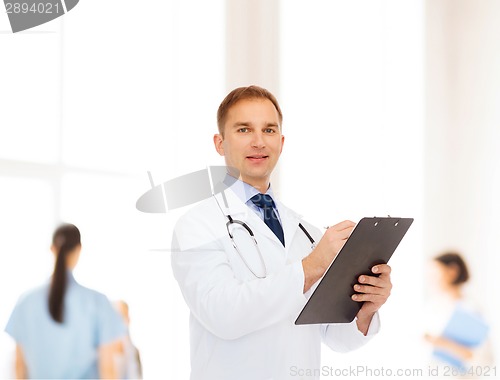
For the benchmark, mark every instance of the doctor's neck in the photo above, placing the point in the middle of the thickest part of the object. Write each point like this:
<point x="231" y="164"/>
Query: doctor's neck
<point x="261" y="184"/>
<point x="261" y="187"/>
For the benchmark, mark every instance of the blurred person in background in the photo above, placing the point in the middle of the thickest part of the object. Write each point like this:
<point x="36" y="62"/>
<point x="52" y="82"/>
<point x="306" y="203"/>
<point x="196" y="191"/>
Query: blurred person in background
<point x="128" y="359"/>
<point x="458" y="333"/>
<point x="62" y="329"/>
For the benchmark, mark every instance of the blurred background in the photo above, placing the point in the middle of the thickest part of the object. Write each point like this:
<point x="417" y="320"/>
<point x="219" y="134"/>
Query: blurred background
<point x="390" y="108"/>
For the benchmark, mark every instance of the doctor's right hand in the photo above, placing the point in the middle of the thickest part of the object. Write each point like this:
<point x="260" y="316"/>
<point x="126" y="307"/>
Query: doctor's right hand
<point x="318" y="261"/>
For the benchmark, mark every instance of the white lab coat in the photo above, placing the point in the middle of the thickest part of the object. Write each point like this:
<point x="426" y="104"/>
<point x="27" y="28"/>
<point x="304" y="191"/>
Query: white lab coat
<point x="243" y="327"/>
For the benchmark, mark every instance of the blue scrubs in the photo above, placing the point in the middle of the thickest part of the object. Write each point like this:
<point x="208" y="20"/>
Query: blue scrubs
<point x="68" y="350"/>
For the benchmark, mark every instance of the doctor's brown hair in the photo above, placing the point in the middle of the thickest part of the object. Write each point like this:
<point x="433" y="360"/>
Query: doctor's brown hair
<point x="243" y="93"/>
<point x="65" y="239"/>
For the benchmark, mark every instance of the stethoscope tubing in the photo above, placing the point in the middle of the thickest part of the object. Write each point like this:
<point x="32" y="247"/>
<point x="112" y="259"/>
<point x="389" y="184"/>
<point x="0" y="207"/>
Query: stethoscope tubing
<point x="250" y="232"/>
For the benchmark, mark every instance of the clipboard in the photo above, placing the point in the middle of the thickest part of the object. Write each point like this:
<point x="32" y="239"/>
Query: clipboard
<point x="372" y="242"/>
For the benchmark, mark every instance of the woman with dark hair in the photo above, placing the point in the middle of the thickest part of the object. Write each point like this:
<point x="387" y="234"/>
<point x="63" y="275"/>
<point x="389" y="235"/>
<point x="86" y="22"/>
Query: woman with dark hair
<point x="62" y="329"/>
<point x="460" y="337"/>
<point x="454" y="272"/>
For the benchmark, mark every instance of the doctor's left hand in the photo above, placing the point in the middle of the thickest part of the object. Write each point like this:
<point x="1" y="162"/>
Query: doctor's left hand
<point x="374" y="292"/>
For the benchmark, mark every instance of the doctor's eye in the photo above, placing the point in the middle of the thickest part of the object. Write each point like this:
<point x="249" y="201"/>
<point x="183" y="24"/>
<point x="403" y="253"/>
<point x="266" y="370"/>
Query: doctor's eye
<point x="243" y="130"/>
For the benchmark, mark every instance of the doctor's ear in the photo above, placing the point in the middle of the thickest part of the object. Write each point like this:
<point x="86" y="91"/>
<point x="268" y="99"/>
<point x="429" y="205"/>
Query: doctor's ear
<point x="218" y="140"/>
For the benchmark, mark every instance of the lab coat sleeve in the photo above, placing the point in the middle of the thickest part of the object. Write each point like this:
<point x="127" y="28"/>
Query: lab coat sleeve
<point x="344" y="337"/>
<point x="225" y="306"/>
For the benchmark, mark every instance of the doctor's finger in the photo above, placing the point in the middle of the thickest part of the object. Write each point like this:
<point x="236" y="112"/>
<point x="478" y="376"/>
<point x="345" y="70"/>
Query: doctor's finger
<point x="335" y="235"/>
<point x="368" y="289"/>
<point x="343" y="230"/>
<point x="381" y="282"/>
<point x="343" y="234"/>
<point x="346" y="224"/>
<point x="382" y="269"/>
<point x="375" y="298"/>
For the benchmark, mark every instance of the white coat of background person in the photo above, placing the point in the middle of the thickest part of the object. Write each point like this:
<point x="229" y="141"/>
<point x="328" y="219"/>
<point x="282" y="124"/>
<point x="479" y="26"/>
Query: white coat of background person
<point x="242" y="313"/>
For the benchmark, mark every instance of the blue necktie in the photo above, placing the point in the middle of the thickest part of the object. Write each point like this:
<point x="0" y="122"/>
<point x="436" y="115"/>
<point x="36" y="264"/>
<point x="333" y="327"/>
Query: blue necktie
<point x="266" y="203"/>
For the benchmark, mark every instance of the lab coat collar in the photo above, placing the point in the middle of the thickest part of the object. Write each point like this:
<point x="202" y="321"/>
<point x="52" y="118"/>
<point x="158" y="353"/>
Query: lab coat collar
<point x="231" y="204"/>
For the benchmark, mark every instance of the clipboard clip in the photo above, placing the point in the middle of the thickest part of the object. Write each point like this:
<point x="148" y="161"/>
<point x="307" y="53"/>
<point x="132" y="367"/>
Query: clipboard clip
<point x="395" y="224"/>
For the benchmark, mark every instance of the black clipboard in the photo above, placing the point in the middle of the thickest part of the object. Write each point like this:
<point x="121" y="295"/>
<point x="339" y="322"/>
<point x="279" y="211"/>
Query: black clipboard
<point x="373" y="241"/>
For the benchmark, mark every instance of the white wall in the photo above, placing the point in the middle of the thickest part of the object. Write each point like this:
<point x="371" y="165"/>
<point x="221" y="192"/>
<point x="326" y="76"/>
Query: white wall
<point x="352" y="96"/>
<point x="462" y="144"/>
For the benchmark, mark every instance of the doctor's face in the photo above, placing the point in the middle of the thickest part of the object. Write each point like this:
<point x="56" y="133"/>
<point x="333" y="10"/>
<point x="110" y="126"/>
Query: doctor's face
<point x="252" y="141"/>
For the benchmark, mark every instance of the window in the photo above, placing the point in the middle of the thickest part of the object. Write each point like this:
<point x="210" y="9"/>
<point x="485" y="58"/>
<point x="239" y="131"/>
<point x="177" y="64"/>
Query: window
<point x="90" y="102"/>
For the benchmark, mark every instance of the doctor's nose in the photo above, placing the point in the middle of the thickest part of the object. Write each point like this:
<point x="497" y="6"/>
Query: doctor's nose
<point x="258" y="141"/>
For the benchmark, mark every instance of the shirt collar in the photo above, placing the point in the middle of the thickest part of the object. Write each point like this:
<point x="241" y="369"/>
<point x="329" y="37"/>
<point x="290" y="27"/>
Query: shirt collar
<point x="243" y="190"/>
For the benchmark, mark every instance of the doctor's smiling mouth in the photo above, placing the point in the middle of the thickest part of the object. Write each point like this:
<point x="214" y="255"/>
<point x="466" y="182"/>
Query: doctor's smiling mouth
<point x="257" y="158"/>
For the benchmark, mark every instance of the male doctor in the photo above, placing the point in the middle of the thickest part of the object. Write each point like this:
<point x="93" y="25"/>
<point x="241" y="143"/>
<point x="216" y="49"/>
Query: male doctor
<point x="244" y="294"/>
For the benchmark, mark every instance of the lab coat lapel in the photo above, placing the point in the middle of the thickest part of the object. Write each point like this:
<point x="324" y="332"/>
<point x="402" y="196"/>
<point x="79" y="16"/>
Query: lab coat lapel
<point x="232" y="205"/>
<point x="290" y="222"/>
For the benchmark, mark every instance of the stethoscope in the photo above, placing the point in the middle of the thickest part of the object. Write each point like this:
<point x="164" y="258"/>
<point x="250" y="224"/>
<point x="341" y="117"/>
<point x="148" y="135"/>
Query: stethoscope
<point x="232" y="221"/>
